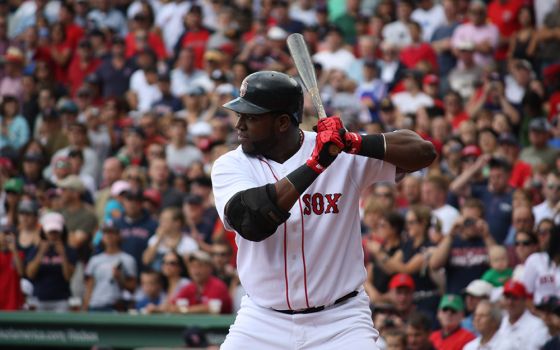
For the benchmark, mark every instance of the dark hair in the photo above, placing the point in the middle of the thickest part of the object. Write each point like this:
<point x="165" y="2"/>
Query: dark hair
<point x="532" y="236"/>
<point x="419" y="320"/>
<point x="183" y="272"/>
<point x="396" y="220"/>
<point x="8" y="99"/>
<point x="531" y="12"/>
<point x="553" y="249"/>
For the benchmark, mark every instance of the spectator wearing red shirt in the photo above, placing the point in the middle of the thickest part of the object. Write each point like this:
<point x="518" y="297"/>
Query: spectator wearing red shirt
<point x="195" y="35"/>
<point x="60" y="51"/>
<point x="11" y="269"/>
<point x="503" y="14"/>
<point x="419" y="54"/>
<point x="451" y="336"/>
<point x="83" y="64"/>
<point x="454" y="111"/>
<point x="204" y="286"/>
<point x="73" y="31"/>
<point x="140" y="37"/>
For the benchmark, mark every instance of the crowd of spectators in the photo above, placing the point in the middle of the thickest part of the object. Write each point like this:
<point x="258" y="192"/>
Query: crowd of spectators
<point x="111" y="118"/>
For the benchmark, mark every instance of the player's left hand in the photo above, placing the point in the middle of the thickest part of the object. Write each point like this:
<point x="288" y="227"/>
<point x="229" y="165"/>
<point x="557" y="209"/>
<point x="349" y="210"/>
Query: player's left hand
<point x="333" y="123"/>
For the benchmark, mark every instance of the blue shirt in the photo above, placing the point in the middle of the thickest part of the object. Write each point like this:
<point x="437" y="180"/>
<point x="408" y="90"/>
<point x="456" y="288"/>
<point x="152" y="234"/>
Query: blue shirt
<point x="49" y="283"/>
<point x="497" y="211"/>
<point x="17" y="134"/>
<point x="135" y="235"/>
<point x="468" y="260"/>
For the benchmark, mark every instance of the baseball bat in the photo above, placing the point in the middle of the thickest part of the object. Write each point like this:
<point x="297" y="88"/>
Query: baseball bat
<point x="302" y="60"/>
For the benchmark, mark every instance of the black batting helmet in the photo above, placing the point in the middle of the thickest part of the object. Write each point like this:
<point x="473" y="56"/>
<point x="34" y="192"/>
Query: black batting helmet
<point x="269" y="91"/>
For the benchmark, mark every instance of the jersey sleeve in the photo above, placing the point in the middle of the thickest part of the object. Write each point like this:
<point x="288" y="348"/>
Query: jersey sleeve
<point x="229" y="176"/>
<point x="367" y="171"/>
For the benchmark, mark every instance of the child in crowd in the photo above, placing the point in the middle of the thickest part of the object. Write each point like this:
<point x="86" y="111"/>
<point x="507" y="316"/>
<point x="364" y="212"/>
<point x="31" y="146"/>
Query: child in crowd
<point x="11" y="269"/>
<point x="152" y="292"/>
<point x="499" y="271"/>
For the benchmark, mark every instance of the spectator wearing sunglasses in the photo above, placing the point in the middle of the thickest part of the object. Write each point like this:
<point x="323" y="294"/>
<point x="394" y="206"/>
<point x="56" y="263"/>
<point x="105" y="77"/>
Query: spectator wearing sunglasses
<point x="451" y="336"/>
<point x="526" y="243"/>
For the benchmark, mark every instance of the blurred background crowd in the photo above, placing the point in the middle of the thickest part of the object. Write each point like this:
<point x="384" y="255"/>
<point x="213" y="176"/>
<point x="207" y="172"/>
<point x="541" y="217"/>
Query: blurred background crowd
<point x="111" y="118"/>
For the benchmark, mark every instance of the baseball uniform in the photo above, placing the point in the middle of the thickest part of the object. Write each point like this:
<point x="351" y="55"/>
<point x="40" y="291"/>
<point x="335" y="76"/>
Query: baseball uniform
<point x="312" y="260"/>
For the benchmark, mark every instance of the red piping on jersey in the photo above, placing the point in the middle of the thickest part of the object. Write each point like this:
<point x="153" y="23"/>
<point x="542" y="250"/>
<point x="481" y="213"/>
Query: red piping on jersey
<point x="303" y="254"/>
<point x="285" y="245"/>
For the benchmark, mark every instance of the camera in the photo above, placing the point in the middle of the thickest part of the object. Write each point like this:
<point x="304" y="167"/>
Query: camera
<point x="469" y="222"/>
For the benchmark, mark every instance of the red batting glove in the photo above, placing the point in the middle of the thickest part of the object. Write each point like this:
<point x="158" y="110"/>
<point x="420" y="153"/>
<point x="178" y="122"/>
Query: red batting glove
<point x="321" y="158"/>
<point x="329" y="123"/>
<point x="352" y="142"/>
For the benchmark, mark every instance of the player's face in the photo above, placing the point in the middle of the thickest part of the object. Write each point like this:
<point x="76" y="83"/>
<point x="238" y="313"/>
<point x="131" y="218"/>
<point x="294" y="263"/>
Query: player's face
<point x="256" y="133"/>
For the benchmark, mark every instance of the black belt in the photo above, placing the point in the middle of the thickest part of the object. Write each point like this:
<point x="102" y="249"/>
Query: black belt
<point x="318" y="308"/>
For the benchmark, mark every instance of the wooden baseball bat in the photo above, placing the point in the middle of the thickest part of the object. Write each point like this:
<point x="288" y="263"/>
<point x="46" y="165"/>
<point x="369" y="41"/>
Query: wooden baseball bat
<point x="304" y="65"/>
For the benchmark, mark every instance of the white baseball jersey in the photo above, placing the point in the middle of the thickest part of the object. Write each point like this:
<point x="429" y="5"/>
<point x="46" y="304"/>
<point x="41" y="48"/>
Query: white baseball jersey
<point x="540" y="277"/>
<point x="316" y="256"/>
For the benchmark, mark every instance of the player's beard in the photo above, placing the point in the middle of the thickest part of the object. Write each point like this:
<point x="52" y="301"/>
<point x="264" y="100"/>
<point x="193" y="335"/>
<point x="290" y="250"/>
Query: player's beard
<point x="256" y="148"/>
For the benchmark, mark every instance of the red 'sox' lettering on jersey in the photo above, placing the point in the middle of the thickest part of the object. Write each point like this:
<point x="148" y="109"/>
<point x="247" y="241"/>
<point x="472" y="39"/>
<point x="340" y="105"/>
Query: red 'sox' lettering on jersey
<point x="319" y="204"/>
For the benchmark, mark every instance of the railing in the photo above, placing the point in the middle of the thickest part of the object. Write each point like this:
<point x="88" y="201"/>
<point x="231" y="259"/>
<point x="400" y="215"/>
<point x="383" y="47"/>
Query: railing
<point x="123" y="331"/>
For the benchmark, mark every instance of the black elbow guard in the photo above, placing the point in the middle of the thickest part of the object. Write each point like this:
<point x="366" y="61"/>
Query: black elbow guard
<point x="254" y="214"/>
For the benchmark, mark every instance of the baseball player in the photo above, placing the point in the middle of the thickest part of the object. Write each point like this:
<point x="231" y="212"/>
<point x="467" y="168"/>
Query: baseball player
<point x="294" y="207"/>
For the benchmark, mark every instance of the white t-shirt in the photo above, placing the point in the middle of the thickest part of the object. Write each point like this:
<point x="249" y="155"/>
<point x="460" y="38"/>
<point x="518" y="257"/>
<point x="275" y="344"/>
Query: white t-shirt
<point x="406" y="103"/>
<point x="341" y="59"/>
<point x="491" y="345"/>
<point x="186" y="245"/>
<point x="397" y="33"/>
<point x="528" y="333"/>
<point x="543" y="211"/>
<point x="146" y="94"/>
<point x="106" y="290"/>
<point x="180" y="159"/>
<point x="541" y="277"/>
<point x="170" y="19"/>
<point x="429" y="20"/>
<point x="447" y="215"/>
<point x="316" y="256"/>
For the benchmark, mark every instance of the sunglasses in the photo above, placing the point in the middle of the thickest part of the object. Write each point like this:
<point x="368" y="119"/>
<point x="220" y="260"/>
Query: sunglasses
<point x="221" y="254"/>
<point x="383" y="194"/>
<point x="523" y="243"/>
<point x="448" y="309"/>
<point x="543" y="232"/>
<point x="411" y="222"/>
<point x="553" y="187"/>
<point x="171" y="262"/>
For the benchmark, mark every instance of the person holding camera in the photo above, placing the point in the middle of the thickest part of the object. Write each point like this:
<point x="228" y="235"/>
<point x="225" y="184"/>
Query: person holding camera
<point x="109" y="274"/>
<point x="11" y="270"/>
<point x="50" y="265"/>
<point x="464" y="251"/>
<point x="496" y="195"/>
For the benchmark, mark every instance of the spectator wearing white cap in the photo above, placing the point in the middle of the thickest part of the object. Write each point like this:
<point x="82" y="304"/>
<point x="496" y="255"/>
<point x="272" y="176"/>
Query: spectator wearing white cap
<point x="476" y="291"/>
<point x="483" y="35"/>
<point x="50" y="265"/>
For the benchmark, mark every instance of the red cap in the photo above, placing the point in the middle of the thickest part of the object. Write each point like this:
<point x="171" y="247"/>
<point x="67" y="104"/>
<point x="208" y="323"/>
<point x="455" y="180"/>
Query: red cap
<point x="430" y="79"/>
<point x="515" y="289"/>
<point x="402" y="280"/>
<point x="471" y="150"/>
<point x="153" y="196"/>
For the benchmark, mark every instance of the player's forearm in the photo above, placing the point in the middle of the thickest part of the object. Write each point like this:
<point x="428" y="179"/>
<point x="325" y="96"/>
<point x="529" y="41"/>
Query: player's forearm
<point x="408" y="151"/>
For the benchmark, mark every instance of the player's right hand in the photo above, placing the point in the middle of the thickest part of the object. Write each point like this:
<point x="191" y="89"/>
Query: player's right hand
<point x="321" y="158"/>
<point x="352" y="140"/>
